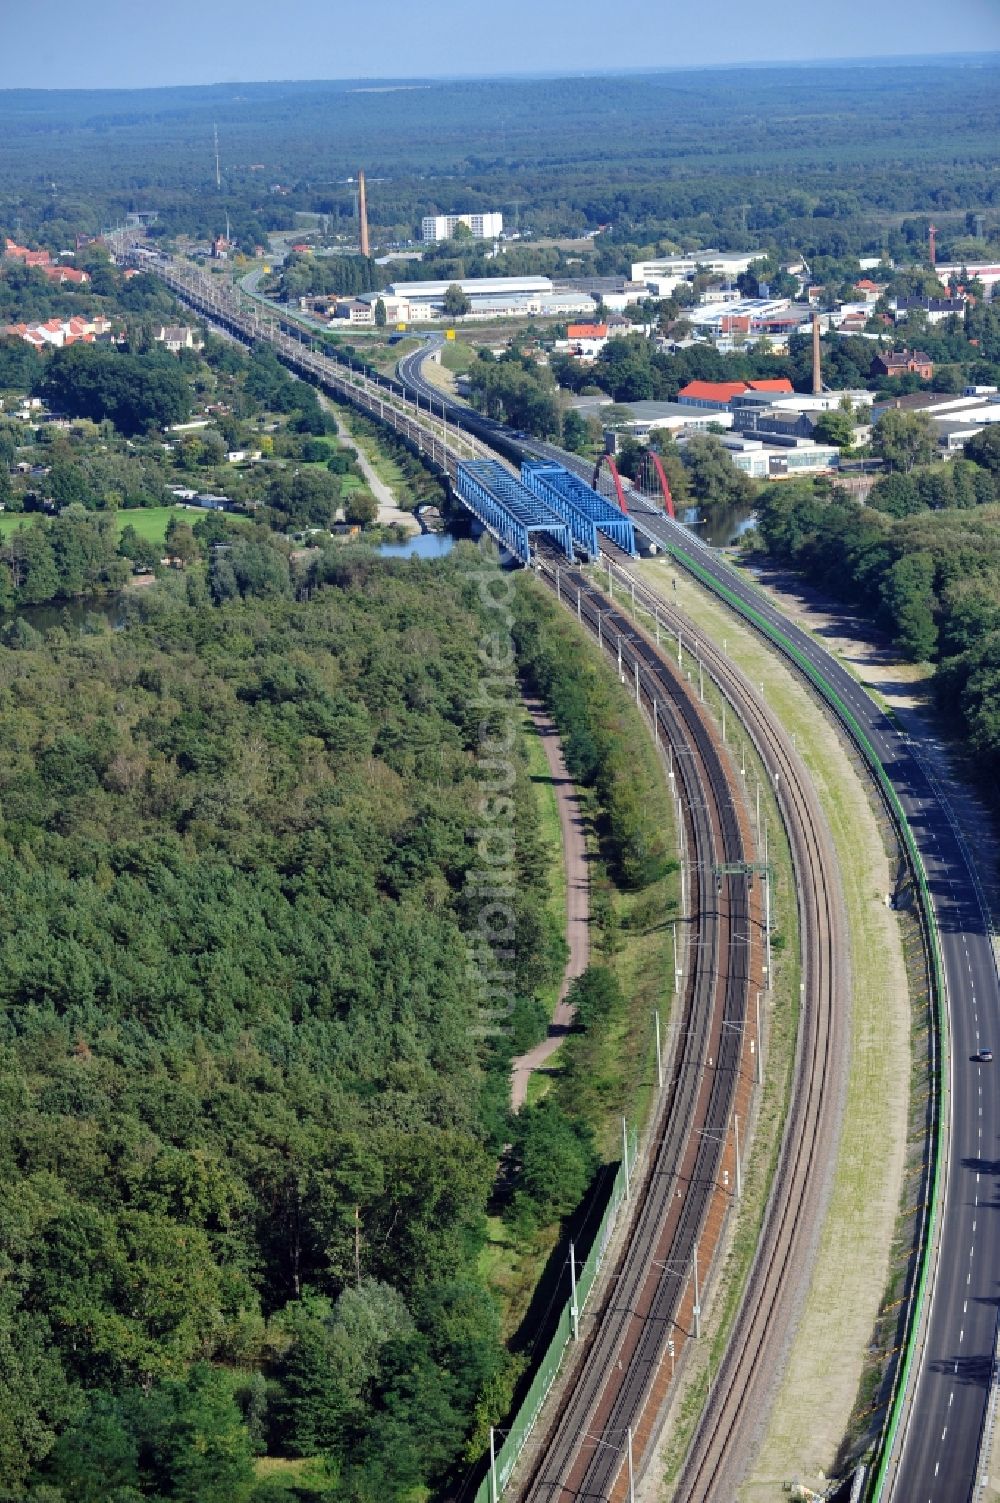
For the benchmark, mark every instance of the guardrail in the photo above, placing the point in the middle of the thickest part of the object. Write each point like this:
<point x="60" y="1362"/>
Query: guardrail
<point x="985" y="1451"/>
<point x="938" y="1172"/>
<point x="503" y="1461"/>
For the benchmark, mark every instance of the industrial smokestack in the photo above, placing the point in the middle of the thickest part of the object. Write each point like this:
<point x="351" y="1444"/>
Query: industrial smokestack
<point x="817" y="365"/>
<point x="932" y="243"/>
<point x="363" y="213"/>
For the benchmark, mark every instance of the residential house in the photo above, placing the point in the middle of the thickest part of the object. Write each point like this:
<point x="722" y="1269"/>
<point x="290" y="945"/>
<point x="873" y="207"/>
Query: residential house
<point x="901" y="363"/>
<point x="176" y="337"/>
<point x="585" y="340"/>
<point x="867" y="291"/>
<point x="66" y="274"/>
<point x="937" y="309"/>
<point x="17" y="252"/>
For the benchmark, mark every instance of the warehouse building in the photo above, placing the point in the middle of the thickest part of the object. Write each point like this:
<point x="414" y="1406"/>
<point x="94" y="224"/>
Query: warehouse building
<point x="663" y="275"/>
<point x="489" y="297"/>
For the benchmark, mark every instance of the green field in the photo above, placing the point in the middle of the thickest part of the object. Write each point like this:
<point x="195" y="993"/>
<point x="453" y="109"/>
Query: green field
<point x="149" y="521"/>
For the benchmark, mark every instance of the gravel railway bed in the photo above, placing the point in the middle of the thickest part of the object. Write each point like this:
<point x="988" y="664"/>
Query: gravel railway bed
<point x="715" y="1461"/>
<point x="651" y="1294"/>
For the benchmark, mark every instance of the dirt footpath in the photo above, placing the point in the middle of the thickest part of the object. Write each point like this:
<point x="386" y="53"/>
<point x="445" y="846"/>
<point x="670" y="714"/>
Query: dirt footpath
<point x="389" y="510"/>
<point x="577" y="905"/>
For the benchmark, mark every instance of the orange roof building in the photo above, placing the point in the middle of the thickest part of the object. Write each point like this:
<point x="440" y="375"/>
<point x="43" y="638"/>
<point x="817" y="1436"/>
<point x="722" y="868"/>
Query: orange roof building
<point x="710" y="393"/>
<point x="721" y="393"/>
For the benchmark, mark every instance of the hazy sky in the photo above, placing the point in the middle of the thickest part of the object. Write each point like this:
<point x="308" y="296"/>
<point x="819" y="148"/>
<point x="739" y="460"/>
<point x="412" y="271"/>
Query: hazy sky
<point x="122" y="43"/>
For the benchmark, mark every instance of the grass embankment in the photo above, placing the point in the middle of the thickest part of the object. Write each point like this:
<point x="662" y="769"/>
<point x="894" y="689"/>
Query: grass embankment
<point x="386" y="356"/>
<point x="411" y="483"/>
<point x="550" y="834"/>
<point x="459" y="357"/>
<point x="604" y="1071"/>
<point x="826" y="1362"/>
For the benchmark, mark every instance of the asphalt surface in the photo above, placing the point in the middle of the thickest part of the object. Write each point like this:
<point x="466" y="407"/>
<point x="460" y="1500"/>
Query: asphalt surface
<point x="938" y="1460"/>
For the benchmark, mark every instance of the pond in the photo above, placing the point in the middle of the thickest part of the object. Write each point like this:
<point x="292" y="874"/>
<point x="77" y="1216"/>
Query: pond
<point x="73" y="615"/>
<point x="423" y="545"/>
<point x="720" y="526"/>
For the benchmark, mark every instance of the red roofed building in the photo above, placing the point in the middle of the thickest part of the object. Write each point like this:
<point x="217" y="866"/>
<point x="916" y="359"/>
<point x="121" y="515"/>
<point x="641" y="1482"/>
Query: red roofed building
<point x="587" y="331"/>
<point x="710" y="393"/>
<point x="903" y="362"/>
<point x="721" y="393"/>
<point x="867" y="290"/>
<point x="777" y="384"/>
<point x="66" y="274"/>
<point x="22" y="253"/>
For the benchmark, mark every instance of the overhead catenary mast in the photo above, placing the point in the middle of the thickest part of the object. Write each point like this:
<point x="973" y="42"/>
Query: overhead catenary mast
<point x="218" y="172"/>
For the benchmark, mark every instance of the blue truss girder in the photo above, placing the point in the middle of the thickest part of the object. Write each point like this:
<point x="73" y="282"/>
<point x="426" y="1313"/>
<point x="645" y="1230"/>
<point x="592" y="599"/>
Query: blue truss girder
<point x="597" y="509"/>
<point x="582" y="527"/>
<point x="510" y="511"/>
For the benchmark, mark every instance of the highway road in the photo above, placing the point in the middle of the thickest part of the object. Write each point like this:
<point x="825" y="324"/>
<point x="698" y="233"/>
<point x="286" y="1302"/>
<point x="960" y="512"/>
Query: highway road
<point x="937" y="1460"/>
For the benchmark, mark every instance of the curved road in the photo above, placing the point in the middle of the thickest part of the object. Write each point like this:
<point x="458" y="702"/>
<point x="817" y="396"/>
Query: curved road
<point x="939" y="1450"/>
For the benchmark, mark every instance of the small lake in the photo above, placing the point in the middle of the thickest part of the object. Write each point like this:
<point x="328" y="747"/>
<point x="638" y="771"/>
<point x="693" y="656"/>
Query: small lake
<point x="72" y="615"/>
<point x="721" y="526"/>
<point x="422" y="545"/>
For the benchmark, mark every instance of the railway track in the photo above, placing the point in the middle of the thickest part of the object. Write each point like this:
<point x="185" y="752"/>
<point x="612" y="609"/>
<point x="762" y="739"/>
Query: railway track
<point x="797" y="1198"/>
<point x="623" y="1385"/>
<point x="651" y="1307"/>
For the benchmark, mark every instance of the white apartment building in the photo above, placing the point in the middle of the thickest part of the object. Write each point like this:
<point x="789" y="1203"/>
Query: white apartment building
<point x="443" y="226"/>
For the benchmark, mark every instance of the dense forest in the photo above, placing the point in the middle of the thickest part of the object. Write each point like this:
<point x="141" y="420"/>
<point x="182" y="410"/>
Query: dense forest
<point x="246" y="1119"/>
<point x="251" y="1128"/>
<point x="923" y="560"/>
<point x="739" y="158"/>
